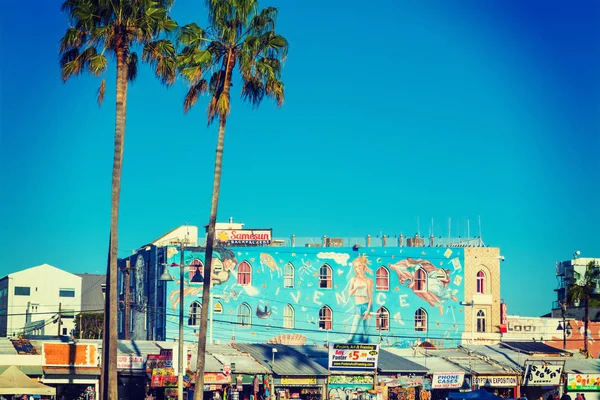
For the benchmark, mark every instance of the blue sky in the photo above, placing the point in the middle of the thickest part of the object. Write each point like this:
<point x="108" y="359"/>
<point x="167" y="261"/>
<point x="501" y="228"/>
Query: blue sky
<point x="399" y="111"/>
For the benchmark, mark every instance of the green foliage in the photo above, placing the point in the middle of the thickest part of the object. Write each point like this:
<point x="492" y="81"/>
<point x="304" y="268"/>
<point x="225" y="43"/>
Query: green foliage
<point x="239" y="35"/>
<point x="582" y="289"/>
<point x="92" y="325"/>
<point x="103" y="27"/>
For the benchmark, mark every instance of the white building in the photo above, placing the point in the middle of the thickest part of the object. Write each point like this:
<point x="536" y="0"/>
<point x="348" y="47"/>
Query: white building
<point x="30" y="301"/>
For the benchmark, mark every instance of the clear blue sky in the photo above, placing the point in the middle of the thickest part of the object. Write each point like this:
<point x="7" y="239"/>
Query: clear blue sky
<point x="396" y="110"/>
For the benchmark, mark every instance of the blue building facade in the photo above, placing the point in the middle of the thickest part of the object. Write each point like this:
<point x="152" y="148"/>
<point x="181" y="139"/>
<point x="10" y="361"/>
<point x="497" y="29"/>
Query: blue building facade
<point x="397" y="296"/>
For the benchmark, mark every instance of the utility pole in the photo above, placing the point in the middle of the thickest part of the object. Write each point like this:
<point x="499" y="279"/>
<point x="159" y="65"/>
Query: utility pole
<point x="126" y="299"/>
<point x="80" y="327"/>
<point x="181" y="301"/>
<point x="59" y="318"/>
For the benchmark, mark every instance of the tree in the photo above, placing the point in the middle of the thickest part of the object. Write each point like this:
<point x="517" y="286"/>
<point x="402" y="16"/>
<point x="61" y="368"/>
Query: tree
<point x="89" y="326"/>
<point x="583" y="291"/>
<point x="238" y="35"/>
<point x="114" y="27"/>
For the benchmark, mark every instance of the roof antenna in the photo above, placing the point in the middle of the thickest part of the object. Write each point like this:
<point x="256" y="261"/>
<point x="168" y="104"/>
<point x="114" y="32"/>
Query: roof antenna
<point x="480" y="238"/>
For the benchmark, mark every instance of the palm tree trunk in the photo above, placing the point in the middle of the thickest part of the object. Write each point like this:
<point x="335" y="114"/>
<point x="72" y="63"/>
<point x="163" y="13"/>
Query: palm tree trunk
<point x="110" y="391"/>
<point x="210" y="241"/>
<point x="586" y="321"/>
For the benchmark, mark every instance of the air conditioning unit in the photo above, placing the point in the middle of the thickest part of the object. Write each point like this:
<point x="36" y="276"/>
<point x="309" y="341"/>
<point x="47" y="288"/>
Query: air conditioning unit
<point x="334" y="242"/>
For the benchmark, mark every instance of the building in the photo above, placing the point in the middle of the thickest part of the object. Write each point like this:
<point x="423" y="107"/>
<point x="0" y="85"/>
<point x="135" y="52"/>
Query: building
<point x="300" y="291"/>
<point x="566" y="274"/>
<point x="39" y="300"/>
<point x="93" y="288"/>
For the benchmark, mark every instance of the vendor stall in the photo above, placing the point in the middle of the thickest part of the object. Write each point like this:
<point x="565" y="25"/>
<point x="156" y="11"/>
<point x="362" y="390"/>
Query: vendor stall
<point x="15" y="382"/>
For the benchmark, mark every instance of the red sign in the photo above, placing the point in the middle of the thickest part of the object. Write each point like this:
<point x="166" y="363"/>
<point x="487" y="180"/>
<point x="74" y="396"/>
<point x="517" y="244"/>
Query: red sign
<point x="226" y="369"/>
<point x="503" y="318"/>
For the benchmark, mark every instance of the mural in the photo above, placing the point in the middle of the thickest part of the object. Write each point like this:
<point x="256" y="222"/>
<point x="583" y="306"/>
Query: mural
<point x="396" y="296"/>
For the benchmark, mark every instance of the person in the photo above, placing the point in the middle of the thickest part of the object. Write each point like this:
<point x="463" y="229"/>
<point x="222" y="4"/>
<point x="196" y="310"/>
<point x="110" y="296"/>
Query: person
<point x="565" y="396"/>
<point x="583" y="396"/>
<point x="361" y="288"/>
<point x="578" y="397"/>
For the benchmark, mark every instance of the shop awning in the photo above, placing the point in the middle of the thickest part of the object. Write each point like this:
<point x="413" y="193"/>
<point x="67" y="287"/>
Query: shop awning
<point x="26" y="369"/>
<point x="288" y="361"/>
<point x="13" y="381"/>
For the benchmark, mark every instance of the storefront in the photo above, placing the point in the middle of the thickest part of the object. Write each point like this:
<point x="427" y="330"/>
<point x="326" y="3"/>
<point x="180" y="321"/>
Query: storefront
<point x="588" y="384"/>
<point x="350" y="387"/>
<point x="294" y="387"/>
<point x="132" y="378"/>
<point x="443" y="383"/>
<point x="541" y="378"/>
<point x="501" y="385"/>
<point x="72" y="369"/>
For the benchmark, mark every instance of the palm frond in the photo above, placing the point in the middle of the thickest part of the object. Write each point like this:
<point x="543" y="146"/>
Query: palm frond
<point x="193" y="94"/>
<point x="101" y="91"/>
<point x="132" y="66"/>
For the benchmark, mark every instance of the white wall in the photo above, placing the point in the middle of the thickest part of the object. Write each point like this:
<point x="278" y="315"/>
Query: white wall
<point x="45" y="282"/>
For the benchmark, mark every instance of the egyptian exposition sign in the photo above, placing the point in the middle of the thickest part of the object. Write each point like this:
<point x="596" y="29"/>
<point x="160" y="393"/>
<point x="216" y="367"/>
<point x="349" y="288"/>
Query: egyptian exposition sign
<point x="583" y="382"/>
<point x="361" y="356"/>
<point x="543" y="375"/>
<point x="447" y="380"/>
<point x="495" y="381"/>
<point x="243" y="237"/>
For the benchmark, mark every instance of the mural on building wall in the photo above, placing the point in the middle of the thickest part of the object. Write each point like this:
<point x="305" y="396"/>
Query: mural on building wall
<point x="259" y="294"/>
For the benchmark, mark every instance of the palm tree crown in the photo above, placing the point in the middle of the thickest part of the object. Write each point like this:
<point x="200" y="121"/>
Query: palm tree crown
<point x="239" y="35"/>
<point x="101" y="27"/>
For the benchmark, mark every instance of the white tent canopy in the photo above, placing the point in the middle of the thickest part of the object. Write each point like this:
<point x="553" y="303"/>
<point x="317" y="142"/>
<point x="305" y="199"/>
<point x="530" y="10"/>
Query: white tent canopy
<point x="14" y="381"/>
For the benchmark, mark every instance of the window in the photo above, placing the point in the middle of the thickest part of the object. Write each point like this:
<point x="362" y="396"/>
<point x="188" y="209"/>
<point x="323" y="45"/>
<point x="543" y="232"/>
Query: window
<point x="244" y="276"/>
<point x="131" y="320"/>
<point x="382" y="279"/>
<point x="288" y="317"/>
<point x="480" y="321"/>
<point x="288" y="276"/>
<point x="325" y="277"/>
<point x="383" y="319"/>
<point x="325" y="318"/>
<point x="420" y="320"/>
<point x="420" y="280"/>
<point x="194" y="314"/>
<point x="481" y="282"/>
<point x="33" y="308"/>
<point x="195" y="265"/>
<point x="218" y="309"/>
<point x="22" y="290"/>
<point x="244" y="316"/>
<point x="66" y="293"/>
<point x="119" y="322"/>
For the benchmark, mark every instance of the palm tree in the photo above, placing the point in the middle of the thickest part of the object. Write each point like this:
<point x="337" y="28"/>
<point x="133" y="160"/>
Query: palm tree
<point x="239" y="34"/>
<point x="585" y="290"/>
<point x="99" y="28"/>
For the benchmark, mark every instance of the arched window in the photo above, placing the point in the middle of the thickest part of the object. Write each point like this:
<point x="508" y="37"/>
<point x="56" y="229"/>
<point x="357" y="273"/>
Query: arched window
<point x="218" y="308"/>
<point x="288" y="275"/>
<point x="420" y="280"/>
<point x="325" y="318"/>
<point x="325" y="277"/>
<point x="244" y="275"/>
<point x="195" y="265"/>
<point x="194" y="314"/>
<point x="382" y="278"/>
<point x="480" y="321"/>
<point x="420" y="320"/>
<point x="288" y="317"/>
<point x="244" y="316"/>
<point x="481" y="282"/>
<point x="383" y="319"/>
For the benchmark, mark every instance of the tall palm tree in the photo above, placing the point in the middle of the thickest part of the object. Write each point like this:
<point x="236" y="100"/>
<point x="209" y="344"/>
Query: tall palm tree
<point x="99" y="28"/>
<point x="239" y="35"/>
<point x="584" y="290"/>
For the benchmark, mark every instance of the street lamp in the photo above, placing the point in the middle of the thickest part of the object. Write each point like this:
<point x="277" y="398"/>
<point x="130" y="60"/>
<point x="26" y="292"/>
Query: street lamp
<point x="166" y="277"/>
<point x="273" y="351"/>
<point x="472" y="305"/>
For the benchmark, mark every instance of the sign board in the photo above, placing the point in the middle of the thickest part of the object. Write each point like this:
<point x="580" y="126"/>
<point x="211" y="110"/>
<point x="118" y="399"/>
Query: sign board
<point x="447" y="380"/>
<point x="543" y="375"/>
<point x="163" y="377"/>
<point x="349" y="379"/>
<point x="298" y="381"/>
<point x="576" y="382"/>
<point x="353" y="356"/>
<point x="226" y="369"/>
<point x="503" y="318"/>
<point x="65" y="354"/>
<point x="495" y="381"/>
<point x="216" y="378"/>
<point x="244" y="237"/>
<point x="130" y="362"/>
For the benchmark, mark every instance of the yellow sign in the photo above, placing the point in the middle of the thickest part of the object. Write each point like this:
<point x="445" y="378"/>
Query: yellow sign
<point x="298" y="381"/>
